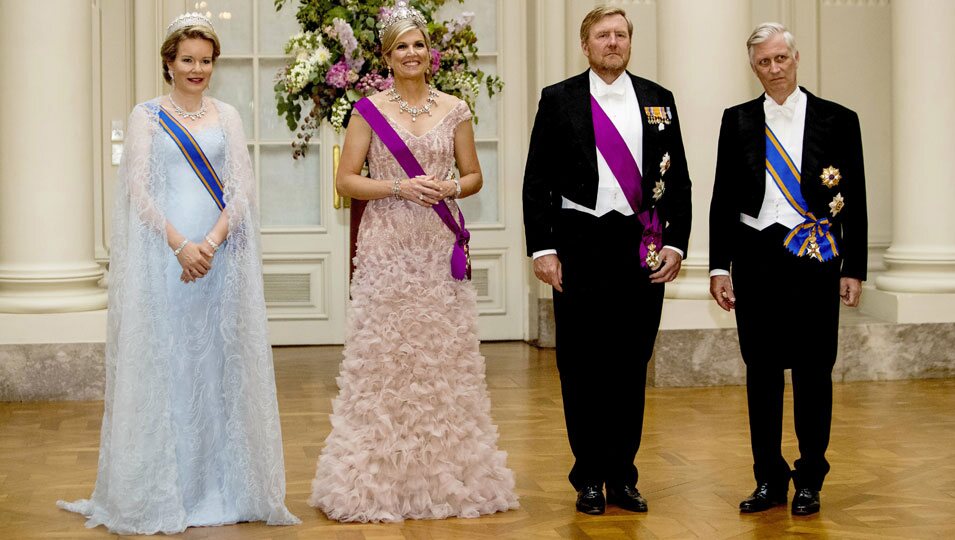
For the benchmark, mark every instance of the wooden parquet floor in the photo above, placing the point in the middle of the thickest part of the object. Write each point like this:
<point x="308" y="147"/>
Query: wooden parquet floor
<point x="892" y="455"/>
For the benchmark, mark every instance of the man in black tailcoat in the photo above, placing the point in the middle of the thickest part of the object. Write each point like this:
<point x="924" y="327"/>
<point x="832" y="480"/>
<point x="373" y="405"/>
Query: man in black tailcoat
<point x="607" y="227"/>
<point x="787" y="241"/>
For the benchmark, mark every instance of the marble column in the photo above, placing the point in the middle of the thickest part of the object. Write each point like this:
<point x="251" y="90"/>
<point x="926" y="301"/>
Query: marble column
<point x="46" y="195"/>
<point x="921" y="258"/>
<point x="702" y="59"/>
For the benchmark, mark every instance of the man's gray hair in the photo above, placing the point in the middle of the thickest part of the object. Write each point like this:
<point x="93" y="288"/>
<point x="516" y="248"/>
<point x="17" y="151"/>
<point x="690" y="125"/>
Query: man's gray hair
<point x="765" y="31"/>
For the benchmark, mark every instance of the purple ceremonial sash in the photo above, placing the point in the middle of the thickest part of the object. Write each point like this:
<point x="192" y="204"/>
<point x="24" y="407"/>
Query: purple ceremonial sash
<point x="617" y="154"/>
<point x="460" y="257"/>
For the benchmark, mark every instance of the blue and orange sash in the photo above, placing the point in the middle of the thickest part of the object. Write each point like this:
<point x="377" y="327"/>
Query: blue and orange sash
<point x="194" y="156"/>
<point x="812" y="236"/>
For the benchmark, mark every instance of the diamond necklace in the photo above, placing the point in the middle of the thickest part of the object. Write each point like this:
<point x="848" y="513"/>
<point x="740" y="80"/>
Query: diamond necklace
<point x="414" y="111"/>
<point x="186" y="114"/>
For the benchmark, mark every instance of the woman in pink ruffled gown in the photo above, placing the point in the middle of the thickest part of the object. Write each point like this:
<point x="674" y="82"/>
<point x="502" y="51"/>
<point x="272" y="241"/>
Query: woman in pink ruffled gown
<point x="412" y="436"/>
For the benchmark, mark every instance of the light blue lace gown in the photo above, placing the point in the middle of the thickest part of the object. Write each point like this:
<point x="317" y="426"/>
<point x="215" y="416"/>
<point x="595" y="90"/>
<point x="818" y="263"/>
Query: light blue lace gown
<point x="196" y="383"/>
<point x="191" y="433"/>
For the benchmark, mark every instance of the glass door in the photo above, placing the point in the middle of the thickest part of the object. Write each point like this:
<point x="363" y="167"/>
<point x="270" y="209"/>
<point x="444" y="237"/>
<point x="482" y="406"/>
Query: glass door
<point x="303" y="235"/>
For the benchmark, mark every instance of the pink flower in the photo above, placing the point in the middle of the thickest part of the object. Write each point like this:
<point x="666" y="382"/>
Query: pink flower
<point x="347" y="38"/>
<point x="372" y="82"/>
<point x="435" y="60"/>
<point x="337" y="75"/>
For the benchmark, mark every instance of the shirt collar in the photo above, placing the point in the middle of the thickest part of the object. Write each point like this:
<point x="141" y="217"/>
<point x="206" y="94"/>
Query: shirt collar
<point x="600" y="89"/>
<point x="788" y="108"/>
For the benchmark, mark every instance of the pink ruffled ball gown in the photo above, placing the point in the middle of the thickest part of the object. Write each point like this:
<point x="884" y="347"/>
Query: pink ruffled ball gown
<point x="412" y="436"/>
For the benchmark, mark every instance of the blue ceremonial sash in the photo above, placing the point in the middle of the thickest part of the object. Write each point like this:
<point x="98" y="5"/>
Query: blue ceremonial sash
<point x="812" y="236"/>
<point x="194" y="156"/>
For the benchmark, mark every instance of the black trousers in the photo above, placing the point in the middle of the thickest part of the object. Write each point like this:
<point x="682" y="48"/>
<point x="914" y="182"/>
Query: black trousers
<point x="607" y="319"/>
<point x="787" y="312"/>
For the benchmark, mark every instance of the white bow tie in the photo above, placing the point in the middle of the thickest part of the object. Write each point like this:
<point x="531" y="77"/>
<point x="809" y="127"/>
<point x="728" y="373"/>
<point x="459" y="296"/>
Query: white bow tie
<point x="606" y="90"/>
<point x="786" y="110"/>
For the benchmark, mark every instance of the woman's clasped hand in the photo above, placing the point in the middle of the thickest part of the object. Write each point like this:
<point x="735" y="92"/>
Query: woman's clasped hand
<point x="426" y="190"/>
<point x="196" y="261"/>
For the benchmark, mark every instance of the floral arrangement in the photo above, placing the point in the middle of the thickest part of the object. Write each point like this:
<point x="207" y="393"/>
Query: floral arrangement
<point x="336" y="60"/>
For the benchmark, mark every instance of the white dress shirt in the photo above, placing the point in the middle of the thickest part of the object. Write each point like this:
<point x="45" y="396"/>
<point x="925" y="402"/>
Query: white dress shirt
<point x="619" y="100"/>
<point x="788" y="122"/>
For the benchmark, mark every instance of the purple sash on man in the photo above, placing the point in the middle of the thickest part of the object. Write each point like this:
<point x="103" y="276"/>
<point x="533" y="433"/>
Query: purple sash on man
<point x="460" y="258"/>
<point x="625" y="169"/>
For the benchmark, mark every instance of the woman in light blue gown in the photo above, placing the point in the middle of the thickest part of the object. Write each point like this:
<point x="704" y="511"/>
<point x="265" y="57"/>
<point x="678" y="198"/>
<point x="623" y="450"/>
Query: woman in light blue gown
<point x="191" y="433"/>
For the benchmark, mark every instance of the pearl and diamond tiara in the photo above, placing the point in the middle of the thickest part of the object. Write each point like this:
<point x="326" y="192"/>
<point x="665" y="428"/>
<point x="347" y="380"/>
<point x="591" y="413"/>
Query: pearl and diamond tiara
<point x="188" y="19"/>
<point x="401" y="11"/>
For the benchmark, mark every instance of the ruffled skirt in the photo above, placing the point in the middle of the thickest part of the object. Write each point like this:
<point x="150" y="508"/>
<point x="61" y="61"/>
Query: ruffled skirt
<point x="412" y="436"/>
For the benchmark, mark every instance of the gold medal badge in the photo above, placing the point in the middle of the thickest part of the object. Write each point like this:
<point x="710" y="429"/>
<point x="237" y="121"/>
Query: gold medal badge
<point x="653" y="258"/>
<point x="830" y="177"/>
<point x="813" y="249"/>
<point x="836" y="205"/>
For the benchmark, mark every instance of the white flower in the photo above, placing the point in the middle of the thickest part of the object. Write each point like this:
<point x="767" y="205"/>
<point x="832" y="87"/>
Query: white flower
<point x="339" y="111"/>
<point x="300" y="74"/>
<point x="321" y="56"/>
<point x="303" y="42"/>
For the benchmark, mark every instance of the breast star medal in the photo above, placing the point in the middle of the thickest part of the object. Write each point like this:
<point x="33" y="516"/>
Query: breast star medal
<point x="836" y="205"/>
<point x="664" y="164"/>
<point x="660" y="187"/>
<point x="658" y="190"/>
<point x="653" y="258"/>
<point x="830" y="177"/>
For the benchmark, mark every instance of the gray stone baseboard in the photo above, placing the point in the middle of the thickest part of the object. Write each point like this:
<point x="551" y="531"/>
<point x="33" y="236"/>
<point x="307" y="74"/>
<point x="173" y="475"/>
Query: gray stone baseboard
<point x="52" y="372"/>
<point x="546" y="328"/>
<point x="868" y="351"/>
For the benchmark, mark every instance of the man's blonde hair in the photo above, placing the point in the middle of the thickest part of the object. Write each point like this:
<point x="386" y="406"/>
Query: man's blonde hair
<point x="599" y="13"/>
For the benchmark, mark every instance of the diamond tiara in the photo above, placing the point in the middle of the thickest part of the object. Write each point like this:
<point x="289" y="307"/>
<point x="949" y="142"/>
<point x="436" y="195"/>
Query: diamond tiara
<point x="188" y="19"/>
<point x="400" y="12"/>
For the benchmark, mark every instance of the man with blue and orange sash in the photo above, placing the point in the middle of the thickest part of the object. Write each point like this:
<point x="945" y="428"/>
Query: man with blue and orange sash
<point x="607" y="222"/>
<point x="788" y="239"/>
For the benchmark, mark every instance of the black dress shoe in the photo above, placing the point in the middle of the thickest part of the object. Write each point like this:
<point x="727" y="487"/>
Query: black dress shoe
<point x="590" y="500"/>
<point x="805" y="502"/>
<point x="627" y="497"/>
<point x="764" y="498"/>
